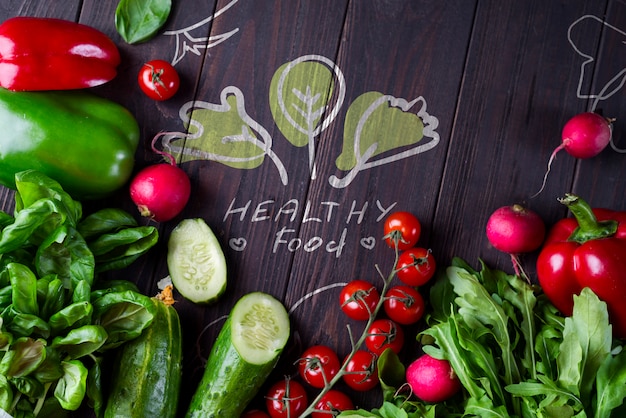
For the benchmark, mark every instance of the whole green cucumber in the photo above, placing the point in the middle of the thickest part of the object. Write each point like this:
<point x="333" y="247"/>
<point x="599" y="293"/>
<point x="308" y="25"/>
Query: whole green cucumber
<point x="243" y="355"/>
<point x="146" y="380"/>
<point x="85" y="142"/>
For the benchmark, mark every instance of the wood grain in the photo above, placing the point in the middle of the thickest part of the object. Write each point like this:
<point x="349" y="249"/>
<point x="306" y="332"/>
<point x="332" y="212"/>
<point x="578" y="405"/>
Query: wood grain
<point x="500" y="77"/>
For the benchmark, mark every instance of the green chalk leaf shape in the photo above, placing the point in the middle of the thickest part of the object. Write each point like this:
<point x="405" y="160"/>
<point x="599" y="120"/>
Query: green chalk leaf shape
<point x="383" y="126"/>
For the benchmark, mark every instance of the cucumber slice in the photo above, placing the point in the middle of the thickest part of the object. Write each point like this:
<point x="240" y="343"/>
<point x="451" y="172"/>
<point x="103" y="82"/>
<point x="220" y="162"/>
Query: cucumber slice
<point x="242" y="357"/>
<point x="196" y="262"/>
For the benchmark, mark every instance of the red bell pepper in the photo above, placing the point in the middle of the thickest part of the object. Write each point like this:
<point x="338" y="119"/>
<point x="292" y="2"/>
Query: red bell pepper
<point x="588" y="250"/>
<point x="54" y="54"/>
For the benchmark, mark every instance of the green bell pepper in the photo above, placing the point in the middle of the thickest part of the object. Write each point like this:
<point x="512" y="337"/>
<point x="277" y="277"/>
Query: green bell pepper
<point x="85" y="142"/>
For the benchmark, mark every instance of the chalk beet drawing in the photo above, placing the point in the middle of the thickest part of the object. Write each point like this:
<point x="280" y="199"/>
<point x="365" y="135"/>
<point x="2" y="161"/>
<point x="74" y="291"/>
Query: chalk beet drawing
<point x="186" y="42"/>
<point x="306" y="95"/>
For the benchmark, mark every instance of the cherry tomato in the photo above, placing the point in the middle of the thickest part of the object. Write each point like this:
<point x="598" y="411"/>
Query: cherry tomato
<point x="286" y="398"/>
<point x="383" y="334"/>
<point x="358" y="299"/>
<point x="404" y="305"/>
<point x="403" y="228"/>
<point x="416" y="266"/>
<point x="254" y="413"/>
<point x="158" y="79"/>
<point x="318" y="365"/>
<point x="334" y="402"/>
<point x="361" y="371"/>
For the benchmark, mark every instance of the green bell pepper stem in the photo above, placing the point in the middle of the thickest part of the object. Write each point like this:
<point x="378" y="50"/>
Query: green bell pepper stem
<point x="589" y="228"/>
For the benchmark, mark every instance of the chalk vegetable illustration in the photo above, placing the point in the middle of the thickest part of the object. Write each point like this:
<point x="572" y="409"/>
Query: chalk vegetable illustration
<point x="301" y="92"/>
<point x="383" y="125"/>
<point x="187" y="42"/>
<point x="222" y="132"/>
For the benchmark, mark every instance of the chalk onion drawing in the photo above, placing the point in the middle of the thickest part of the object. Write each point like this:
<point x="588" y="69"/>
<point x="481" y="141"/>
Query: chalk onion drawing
<point x="300" y="94"/>
<point x="222" y="132"/>
<point x="186" y="42"/>
<point x="386" y="124"/>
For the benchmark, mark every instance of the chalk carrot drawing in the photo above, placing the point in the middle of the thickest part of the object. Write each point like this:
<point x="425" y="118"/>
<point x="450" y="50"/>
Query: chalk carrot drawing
<point x="186" y="42"/>
<point x="381" y="124"/>
<point x="222" y="132"/>
<point x="301" y="92"/>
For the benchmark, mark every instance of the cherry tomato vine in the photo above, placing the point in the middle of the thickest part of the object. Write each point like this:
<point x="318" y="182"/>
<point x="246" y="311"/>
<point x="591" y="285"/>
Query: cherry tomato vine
<point x="360" y="300"/>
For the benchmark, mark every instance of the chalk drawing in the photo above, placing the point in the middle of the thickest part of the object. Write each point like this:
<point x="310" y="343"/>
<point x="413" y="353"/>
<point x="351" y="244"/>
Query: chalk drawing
<point x="186" y="42"/>
<point x="615" y="84"/>
<point x="300" y="92"/>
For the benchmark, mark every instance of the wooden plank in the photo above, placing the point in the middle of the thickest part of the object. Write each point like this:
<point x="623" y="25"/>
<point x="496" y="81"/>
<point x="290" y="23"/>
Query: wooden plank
<point x="601" y="180"/>
<point x="518" y="90"/>
<point x="392" y="49"/>
<point x="499" y="78"/>
<point x="242" y="203"/>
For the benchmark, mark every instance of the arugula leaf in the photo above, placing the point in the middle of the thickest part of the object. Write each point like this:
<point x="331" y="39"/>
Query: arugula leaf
<point x="611" y="384"/>
<point x="139" y="20"/>
<point x="587" y="339"/>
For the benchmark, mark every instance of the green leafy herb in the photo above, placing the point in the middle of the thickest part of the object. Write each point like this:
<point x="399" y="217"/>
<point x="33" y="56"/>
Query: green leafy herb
<point x="56" y="318"/>
<point x="139" y="20"/>
<point x="514" y="353"/>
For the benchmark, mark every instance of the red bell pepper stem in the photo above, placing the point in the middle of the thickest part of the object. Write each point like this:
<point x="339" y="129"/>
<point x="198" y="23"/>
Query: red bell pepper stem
<point x="589" y="228"/>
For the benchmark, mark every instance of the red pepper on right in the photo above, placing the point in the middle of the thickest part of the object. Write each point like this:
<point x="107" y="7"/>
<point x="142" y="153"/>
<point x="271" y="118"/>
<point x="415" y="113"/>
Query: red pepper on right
<point x="588" y="250"/>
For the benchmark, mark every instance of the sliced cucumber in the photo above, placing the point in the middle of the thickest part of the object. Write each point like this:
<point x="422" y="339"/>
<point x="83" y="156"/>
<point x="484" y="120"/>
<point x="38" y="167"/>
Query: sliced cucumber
<point x="196" y="262"/>
<point x="243" y="355"/>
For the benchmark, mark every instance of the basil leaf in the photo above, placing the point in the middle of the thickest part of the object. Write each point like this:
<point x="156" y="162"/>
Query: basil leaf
<point x="6" y="393"/>
<point x="81" y="341"/>
<point x="71" y="388"/>
<point x="66" y="254"/>
<point x="95" y="387"/>
<point x="25" y="356"/>
<point x="32" y="186"/>
<point x="24" y="285"/>
<point x="105" y="221"/>
<point x="74" y="315"/>
<point x="139" y="20"/>
<point x="119" y="249"/>
<point x="124" y="315"/>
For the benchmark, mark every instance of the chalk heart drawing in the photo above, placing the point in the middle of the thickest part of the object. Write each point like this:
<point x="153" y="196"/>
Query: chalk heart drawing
<point x="368" y="243"/>
<point x="238" y="244"/>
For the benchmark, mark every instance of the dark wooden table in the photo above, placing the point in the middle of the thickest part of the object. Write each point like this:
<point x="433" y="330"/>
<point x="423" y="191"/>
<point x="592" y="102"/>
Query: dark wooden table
<point x="492" y="81"/>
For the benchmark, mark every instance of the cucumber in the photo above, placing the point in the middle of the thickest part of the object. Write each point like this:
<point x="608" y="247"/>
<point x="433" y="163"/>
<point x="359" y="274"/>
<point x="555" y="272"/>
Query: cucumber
<point x="242" y="357"/>
<point x="147" y="374"/>
<point x="196" y="262"/>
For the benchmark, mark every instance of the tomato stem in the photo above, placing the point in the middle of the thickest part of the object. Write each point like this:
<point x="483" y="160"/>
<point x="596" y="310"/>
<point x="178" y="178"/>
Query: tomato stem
<point x="356" y="345"/>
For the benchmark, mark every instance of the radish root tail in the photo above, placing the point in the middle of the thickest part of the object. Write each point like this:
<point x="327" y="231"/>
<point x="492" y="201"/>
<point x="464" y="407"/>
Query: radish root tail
<point x="517" y="267"/>
<point x="545" y="176"/>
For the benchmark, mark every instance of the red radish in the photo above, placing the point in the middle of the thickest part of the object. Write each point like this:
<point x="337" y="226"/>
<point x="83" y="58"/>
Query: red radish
<point x="583" y="136"/>
<point x="515" y="230"/>
<point x="432" y="380"/>
<point x="161" y="191"/>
